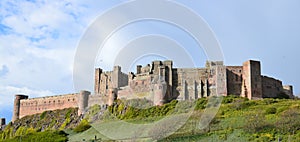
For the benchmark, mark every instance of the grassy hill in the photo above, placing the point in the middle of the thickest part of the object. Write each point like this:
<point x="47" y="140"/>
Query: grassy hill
<point x="238" y="119"/>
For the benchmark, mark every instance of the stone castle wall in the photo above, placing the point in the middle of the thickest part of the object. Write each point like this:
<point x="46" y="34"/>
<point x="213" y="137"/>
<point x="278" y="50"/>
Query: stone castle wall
<point x="24" y="106"/>
<point x="234" y="80"/>
<point x="97" y="99"/>
<point x="161" y="83"/>
<point x="39" y="105"/>
<point x="193" y="83"/>
<point x="190" y="83"/>
<point x="109" y="79"/>
<point x="271" y="87"/>
<point x="288" y="89"/>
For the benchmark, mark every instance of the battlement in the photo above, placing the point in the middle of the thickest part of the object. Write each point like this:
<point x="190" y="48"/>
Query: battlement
<point x="27" y="106"/>
<point x="160" y="83"/>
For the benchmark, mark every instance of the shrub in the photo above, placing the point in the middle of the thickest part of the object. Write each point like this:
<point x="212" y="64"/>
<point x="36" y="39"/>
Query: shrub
<point x="269" y="101"/>
<point x="228" y="99"/>
<point x="42" y="116"/>
<point x="83" y="125"/>
<point x="201" y="103"/>
<point x="66" y="122"/>
<point x="271" y="110"/>
<point x="46" y="136"/>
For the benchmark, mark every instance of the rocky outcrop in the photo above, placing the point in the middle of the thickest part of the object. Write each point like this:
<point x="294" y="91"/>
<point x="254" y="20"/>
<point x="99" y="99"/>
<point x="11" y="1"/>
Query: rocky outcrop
<point x="57" y="119"/>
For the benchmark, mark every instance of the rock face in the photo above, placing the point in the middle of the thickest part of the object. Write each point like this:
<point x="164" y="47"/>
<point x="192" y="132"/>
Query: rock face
<point x="58" y="119"/>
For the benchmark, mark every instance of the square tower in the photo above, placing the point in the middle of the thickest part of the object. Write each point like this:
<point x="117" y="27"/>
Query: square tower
<point x="252" y="84"/>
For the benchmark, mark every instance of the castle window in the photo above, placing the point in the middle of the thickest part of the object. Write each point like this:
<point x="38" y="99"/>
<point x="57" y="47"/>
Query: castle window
<point x="73" y="99"/>
<point x="44" y="102"/>
<point x="54" y="101"/>
<point x="58" y="100"/>
<point x="49" y="102"/>
<point x="68" y="100"/>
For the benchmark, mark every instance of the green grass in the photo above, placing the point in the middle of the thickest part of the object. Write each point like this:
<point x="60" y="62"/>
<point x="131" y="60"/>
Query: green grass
<point x="46" y="136"/>
<point x="238" y="119"/>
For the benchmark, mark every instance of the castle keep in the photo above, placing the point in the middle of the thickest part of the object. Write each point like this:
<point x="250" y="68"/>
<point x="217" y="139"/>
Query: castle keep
<point x="160" y="83"/>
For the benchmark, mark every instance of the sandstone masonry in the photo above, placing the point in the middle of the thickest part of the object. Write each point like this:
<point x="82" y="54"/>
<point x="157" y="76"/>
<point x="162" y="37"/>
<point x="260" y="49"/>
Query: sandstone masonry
<point x="160" y="83"/>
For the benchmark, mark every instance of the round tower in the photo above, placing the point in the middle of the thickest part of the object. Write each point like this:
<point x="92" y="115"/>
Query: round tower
<point x="160" y="89"/>
<point x="83" y="98"/>
<point x="16" y="112"/>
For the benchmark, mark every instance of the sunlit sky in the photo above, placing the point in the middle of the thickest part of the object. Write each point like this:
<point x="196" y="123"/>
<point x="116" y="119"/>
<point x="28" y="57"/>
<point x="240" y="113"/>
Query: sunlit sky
<point x="38" y="40"/>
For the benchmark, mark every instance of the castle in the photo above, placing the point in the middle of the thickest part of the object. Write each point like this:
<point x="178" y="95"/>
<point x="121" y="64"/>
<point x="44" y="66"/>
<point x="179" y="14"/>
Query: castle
<point x="160" y="82"/>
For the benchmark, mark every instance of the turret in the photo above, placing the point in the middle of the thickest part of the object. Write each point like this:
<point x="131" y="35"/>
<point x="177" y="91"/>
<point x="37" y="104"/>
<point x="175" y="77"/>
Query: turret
<point x="83" y="97"/>
<point x="16" y="112"/>
<point x="98" y="73"/>
<point x="138" y="69"/>
<point x="116" y="77"/>
<point x="155" y="67"/>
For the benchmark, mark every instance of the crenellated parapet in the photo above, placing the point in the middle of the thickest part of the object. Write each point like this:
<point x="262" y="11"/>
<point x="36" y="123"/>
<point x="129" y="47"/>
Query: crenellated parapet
<point x="160" y="83"/>
<point x="24" y="106"/>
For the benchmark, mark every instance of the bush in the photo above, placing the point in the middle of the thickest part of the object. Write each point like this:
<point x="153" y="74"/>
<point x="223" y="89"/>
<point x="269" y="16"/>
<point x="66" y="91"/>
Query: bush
<point x="228" y="99"/>
<point x="42" y="116"/>
<point x="269" y="101"/>
<point x="46" y="136"/>
<point x="271" y="110"/>
<point x="201" y="103"/>
<point x="83" y="125"/>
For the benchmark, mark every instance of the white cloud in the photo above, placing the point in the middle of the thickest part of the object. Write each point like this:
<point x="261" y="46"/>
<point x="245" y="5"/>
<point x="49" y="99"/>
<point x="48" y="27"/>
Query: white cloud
<point x="12" y="90"/>
<point x="7" y="98"/>
<point x="38" y="46"/>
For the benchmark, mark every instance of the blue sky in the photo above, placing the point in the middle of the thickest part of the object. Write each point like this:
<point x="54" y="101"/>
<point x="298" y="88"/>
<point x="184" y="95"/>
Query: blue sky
<point x="38" y="40"/>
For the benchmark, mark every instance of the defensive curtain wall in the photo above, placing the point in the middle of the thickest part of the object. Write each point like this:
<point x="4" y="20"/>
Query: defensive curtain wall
<point x="160" y="82"/>
<point x="27" y="106"/>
